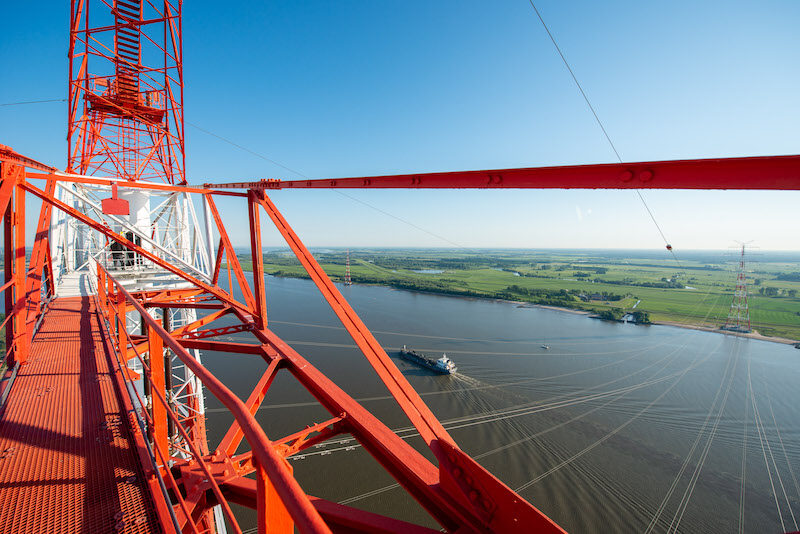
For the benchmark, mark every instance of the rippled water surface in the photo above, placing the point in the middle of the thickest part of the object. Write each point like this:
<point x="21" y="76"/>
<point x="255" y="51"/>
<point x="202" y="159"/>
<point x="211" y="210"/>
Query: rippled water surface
<point x="614" y="428"/>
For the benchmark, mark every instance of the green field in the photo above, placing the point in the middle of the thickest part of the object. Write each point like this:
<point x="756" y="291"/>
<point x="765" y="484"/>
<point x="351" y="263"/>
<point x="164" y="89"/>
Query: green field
<point x="697" y="289"/>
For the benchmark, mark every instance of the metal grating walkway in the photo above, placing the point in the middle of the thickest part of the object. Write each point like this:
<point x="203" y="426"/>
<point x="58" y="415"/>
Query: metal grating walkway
<point x="66" y="461"/>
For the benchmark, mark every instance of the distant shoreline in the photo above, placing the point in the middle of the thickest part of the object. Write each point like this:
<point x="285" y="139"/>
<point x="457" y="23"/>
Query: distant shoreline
<point x="751" y="335"/>
<point x="522" y="304"/>
<point x="712" y="329"/>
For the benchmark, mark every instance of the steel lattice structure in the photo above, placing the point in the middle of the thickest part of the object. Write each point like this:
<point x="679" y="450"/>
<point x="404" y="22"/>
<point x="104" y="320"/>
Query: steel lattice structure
<point x="126" y="90"/>
<point x="458" y="493"/>
<point x="739" y="314"/>
<point x="126" y="133"/>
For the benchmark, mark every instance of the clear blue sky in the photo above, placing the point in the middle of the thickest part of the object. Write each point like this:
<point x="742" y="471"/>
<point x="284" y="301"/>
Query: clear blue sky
<point x="361" y="88"/>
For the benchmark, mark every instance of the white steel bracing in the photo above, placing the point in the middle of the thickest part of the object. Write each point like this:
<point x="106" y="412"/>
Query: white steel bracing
<point x="163" y="223"/>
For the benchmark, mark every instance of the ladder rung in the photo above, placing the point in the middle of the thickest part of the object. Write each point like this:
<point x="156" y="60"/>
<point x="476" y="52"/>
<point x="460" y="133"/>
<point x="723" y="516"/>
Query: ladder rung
<point x="134" y="16"/>
<point x="125" y="39"/>
<point x="127" y="32"/>
<point x="133" y="6"/>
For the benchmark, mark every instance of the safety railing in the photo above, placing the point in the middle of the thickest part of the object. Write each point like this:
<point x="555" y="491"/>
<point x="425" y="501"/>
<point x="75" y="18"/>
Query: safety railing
<point x="122" y="259"/>
<point x="33" y="314"/>
<point x="115" y="302"/>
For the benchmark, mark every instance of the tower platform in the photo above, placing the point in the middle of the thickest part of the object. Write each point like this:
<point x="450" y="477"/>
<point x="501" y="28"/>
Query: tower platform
<point x="68" y="457"/>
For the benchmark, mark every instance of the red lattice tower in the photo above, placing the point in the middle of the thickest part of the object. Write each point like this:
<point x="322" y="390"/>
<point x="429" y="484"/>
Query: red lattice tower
<point x="347" y="280"/>
<point x="739" y="314"/>
<point x="126" y="90"/>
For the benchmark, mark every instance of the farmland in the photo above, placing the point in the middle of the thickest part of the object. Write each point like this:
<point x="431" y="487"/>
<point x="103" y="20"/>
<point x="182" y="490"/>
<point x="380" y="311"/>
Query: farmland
<point x="694" y="288"/>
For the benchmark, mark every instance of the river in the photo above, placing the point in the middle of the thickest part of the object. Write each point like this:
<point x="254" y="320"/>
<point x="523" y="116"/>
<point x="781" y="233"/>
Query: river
<point x="615" y="428"/>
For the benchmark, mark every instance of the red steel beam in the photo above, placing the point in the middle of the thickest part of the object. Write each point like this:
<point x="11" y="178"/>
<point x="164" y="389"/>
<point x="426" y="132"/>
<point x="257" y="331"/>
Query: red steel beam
<point x="158" y="381"/>
<point x="107" y="232"/>
<point x="218" y="262"/>
<point x="7" y="154"/>
<point x="89" y="180"/>
<point x="253" y="198"/>
<point x="431" y="487"/>
<point x="460" y="491"/>
<point x="202" y="321"/>
<point x="8" y="258"/>
<point x="243" y="491"/>
<point x="167" y="295"/>
<point x="273" y="518"/>
<point x="286" y="486"/>
<point x="230" y="254"/>
<point x="7" y="185"/>
<point x="409" y="400"/>
<point x="21" y="341"/>
<point x="180" y="305"/>
<point x="763" y="172"/>
<point x="302" y="440"/>
<point x="233" y="437"/>
<point x="38" y="261"/>
<point x="221" y="346"/>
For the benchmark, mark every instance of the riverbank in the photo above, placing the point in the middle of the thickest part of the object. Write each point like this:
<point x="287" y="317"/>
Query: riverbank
<point x="574" y="311"/>
<point x="703" y="328"/>
<point x="546" y="307"/>
<point x="608" y="283"/>
<point x="752" y="335"/>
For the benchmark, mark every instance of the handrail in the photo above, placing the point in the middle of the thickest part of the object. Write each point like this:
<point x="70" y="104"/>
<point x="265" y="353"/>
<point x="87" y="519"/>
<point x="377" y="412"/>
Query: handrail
<point x="163" y="454"/>
<point x="297" y="503"/>
<point x="148" y="420"/>
<point x="142" y="417"/>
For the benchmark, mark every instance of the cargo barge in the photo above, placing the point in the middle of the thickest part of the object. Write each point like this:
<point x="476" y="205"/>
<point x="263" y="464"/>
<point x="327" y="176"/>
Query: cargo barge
<point x="443" y="365"/>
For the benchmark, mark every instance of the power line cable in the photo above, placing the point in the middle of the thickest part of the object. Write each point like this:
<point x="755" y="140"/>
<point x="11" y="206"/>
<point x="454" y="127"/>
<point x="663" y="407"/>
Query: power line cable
<point x="278" y="164"/>
<point x="599" y="122"/>
<point x="354" y="199"/>
<point x="240" y="147"/>
<point x="575" y="79"/>
<point x="654" y="221"/>
<point x="32" y="102"/>
<point x="437" y="236"/>
<point x="298" y="173"/>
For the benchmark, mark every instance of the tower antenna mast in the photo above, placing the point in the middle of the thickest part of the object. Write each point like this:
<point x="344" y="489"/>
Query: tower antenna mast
<point x="739" y="313"/>
<point x="347" y="280"/>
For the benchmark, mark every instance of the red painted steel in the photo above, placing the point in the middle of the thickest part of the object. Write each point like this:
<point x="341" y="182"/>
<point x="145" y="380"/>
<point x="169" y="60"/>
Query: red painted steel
<point x="451" y="507"/>
<point x="421" y="417"/>
<point x="157" y="381"/>
<point x="14" y="262"/>
<point x="767" y="172"/>
<point x="260" y="299"/>
<point x="8" y="155"/>
<point x="292" y="497"/>
<point x="68" y="457"/>
<point x="115" y="205"/>
<point x="126" y="126"/>
<point x="458" y="493"/>
<point x="111" y="235"/>
<point x="126" y="90"/>
<point x="149" y="186"/>
<point x="41" y="269"/>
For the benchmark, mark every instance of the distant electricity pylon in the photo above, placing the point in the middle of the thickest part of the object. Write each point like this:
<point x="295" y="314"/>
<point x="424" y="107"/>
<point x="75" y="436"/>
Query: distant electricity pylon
<point x="739" y="315"/>
<point x="347" y="280"/>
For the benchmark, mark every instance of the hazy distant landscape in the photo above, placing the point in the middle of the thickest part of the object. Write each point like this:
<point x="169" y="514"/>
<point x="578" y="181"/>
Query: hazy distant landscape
<point x="697" y="289"/>
<point x="645" y="428"/>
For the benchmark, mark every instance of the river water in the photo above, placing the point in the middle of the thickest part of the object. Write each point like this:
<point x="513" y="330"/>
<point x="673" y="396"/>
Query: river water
<point x="614" y="428"/>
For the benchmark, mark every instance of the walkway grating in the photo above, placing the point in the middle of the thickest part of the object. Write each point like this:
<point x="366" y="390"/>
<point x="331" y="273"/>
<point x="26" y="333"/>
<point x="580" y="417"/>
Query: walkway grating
<point x="67" y="463"/>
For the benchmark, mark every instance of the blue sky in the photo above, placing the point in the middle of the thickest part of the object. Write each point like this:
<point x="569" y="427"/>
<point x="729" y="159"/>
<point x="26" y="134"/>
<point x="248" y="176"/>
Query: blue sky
<point x="361" y="88"/>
